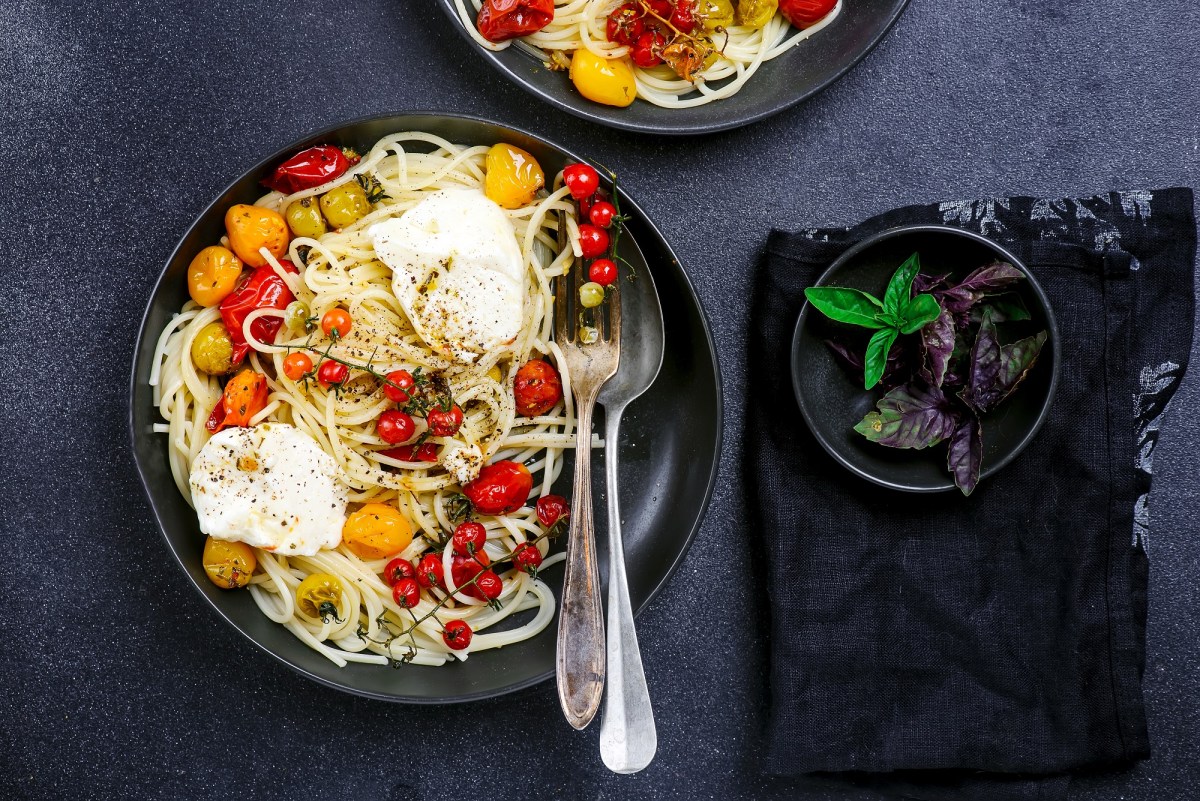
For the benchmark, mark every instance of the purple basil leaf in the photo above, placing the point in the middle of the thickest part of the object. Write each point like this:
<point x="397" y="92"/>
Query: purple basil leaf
<point x="985" y="281"/>
<point x="845" y="356"/>
<point x="966" y="453"/>
<point x="927" y="283"/>
<point x="1009" y="308"/>
<point x="909" y="417"/>
<point x="1015" y="362"/>
<point x="982" y="392"/>
<point x="937" y="345"/>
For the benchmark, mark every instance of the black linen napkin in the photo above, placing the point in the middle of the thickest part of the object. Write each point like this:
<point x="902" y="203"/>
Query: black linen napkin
<point x="946" y="646"/>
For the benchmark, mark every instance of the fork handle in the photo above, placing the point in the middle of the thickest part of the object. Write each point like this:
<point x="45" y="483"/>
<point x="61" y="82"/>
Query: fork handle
<point x="580" y="656"/>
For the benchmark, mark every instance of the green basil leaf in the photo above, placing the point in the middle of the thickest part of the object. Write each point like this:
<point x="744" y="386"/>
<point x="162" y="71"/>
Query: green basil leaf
<point x="877" y="353"/>
<point x="899" y="289"/>
<point x="920" y="311"/>
<point x="846" y="305"/>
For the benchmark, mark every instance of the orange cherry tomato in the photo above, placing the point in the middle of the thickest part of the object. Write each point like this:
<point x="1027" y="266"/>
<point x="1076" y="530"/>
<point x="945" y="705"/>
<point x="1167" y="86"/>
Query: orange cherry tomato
<point x="513" y="176"/>
<point x="502" y="488"/>
<point x="253" y="227"/>
<point x="212" y="275"/>
<point x="297" y="365"/>
<point x="245" y="396"/>
<point x="376" y="531"/>
<point x="537" y="388"/>
<point x="336" y="320"/>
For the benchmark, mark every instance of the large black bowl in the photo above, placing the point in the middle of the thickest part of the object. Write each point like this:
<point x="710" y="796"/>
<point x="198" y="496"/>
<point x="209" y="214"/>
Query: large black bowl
<point x="832" y="401"/>
<point x="669" y="461"/>
<point x="779" y="84"/>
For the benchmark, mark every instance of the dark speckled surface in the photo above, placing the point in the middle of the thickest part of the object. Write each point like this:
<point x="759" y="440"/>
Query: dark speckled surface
<point x="120" y="120"/>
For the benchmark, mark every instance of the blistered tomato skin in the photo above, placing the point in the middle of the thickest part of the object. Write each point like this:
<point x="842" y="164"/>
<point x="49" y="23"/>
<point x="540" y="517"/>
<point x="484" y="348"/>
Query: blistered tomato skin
<point x="345" y="205"/>
<point x="805" y="13"/>
<point x="251" y="228"/>
<point x="212" y="275"/>
<point x="457" y="635"/>
<point x="305" y="219"/>
<point x="308" y="168"/>
<point x="513" y="176"/>
<point x="212" y="350"/>
<point x="501" y="20"/>
<point x="430" y="571"/>
<point x="227" y="564"/>
<point x="319" y="596"/>
<point x="537" y="388"/>
<point x="551" y="508"/>
<point x="608" y="81"/>
<point x="502" y="488"/>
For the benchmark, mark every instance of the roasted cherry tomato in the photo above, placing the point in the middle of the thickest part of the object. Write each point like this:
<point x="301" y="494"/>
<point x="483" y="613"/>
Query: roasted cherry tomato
<point x="332" y="373"/>
<point x="398" y="568"/>
<point x="593" y="241"/>
<point x="527" y="558"/>
<point x="716" y="13"/>
<point x="336" y="320"/>
<point x="427" y="452"/>
<point x="345" y="204"/>
<point x="319" y="597"/>
<point x="261" y="289"/>
<point x="603" y="80"/>
<point x="501" y="20"/>
<point x="469" y="538"/>
<point x="756" y="13"/>
<point x="297" y="365"/>
<point x="805" y="13"/>
<point x="251" y="228"/>
<point x="647" y="50"/>
<point x="662" y="8"/>
<point x="603" y="271"/>
<point x="308" y="168"/>
<point x="304" y="218"/>
<point x="212" y="349"/>
<point x="398" y="386"/>
<point x="430" y="572"/>
<point x="502" y="488"/>
<point x="228" y="564"/>
<point x="513" y="176"/>
<point x="683" y="16"/>
<point x="245" y="396"/>
<point x="551" y="508"/>
<point x="394" y="427"/>
<point x="488" y="585"/>
<point x="457" y="635"/>
<point x="537" y="388"/>
<point x="376" y="530"/>
<point x="444" y="423"/>
<point x="625" y="24"/>
<point x="406" y="593"/>
<point x="212" y="275"/>
<point x="601" y="214"/>
<point x="582" y="180"/>
<point x="465" y="568"/>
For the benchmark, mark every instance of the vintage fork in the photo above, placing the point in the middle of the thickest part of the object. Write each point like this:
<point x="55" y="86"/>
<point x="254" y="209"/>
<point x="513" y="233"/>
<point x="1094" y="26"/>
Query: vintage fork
<point x="580" y="660"/>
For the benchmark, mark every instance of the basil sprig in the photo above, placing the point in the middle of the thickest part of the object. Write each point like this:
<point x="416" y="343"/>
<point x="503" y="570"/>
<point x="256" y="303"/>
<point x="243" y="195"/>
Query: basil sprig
<point x="898" y="313"/>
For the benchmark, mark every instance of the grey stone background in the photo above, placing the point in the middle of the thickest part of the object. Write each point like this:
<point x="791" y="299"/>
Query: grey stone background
<point x="120" y="120"/>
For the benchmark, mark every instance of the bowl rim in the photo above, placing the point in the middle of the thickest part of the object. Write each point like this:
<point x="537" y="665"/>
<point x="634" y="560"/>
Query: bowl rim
<point x="274" y="157"/>
<point x="600" y="117"/>
<point x="937" y="229"/>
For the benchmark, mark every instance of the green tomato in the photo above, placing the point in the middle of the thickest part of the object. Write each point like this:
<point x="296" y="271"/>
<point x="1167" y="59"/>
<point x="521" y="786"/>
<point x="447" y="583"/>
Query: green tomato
<point x="212" y="350"/>
<point x="296" y="315"/>
<point x="591" y="295"/>
<point x="304" y="218"/>
<point x="345" y="205"/>
<point x="756" y="13"/>
<point x="716" y="13"/>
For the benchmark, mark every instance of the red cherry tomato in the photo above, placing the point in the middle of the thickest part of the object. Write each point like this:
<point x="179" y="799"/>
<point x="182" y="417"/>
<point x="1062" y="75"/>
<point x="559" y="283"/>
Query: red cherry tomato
<point x="805" y="13"/>
<point x="332" y="373"/>
<point x="394" y="426"/>
<point x="537" y="388"/>
<point x="527" y="558"/>
<point x="593" y="241"/>
<point x="603" y="271"/>
<point x="427" y="452"/>
<point x="444" y="423"/>
<point x="402" y="381"/>
<point x="336" y="320"/>
<point x="682" y="16"/>
<point x="550" y="508"/>
<point x="502" y="488"/>
<point x="601" y="213"/>
<point x="457" y="635"/>
<point x="465" y="568"/>
<point x="662" y="8"/>
<point x="308" y="168"/>
<point x="501" y="20"/>
<point x="582" y="180"/>
<point x="488" y="585"/>
<point x="296" y="365"/>
<point x="646" y="51"/>
<point x="398" y="568"/>
<point x="469" y="538"/>
<point x="430" y="572"/>
<point x="263" y="289"/>
<point x="625" y="24"/>
<point x="406" y="593"/>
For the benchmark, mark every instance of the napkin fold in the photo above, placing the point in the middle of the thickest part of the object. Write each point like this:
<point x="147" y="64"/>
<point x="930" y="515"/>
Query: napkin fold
<point x="944" y="646"/>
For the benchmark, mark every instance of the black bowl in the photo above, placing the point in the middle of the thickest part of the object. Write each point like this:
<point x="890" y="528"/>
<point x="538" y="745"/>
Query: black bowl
<point x="832" y="400"/>
<point x="779" y="84"/>
<point x="668" y="462"/>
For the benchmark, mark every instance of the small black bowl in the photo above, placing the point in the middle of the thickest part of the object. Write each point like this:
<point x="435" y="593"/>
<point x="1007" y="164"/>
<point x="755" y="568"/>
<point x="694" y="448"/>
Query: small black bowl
<point x="832" y="400"/>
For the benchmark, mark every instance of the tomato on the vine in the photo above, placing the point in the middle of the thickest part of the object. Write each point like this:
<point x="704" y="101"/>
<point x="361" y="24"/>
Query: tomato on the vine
<point x="406" y="593"/>
<point x="805" y="13"/>
<point x="593" y="241"/>
<point x="398" y="568"/>
<point x="582" y="180"/>
<point x="430" y="572"/>
<point x="465" y="568"/>
<point x="603" y="271"/>
<point x="683" y="16"/>
<point x="457" y="634"/>
<point x="647" y="50"/>
<point x="332" y="373"/>
<point x="527" y="558"/>
<point x="550" y="508"/>
<point x="399" y="382"/>
<point x="469" y="538"/>
<point x="444" y="423"/>
<point x="602" y="213"/>
<point x="426" y="452"/>
<point x="625" y="24"/>
<point x="297" y="365"/>
<point x="394" y="427"/>
<point x="336" y="323"/>
<point x="488" y="585"/>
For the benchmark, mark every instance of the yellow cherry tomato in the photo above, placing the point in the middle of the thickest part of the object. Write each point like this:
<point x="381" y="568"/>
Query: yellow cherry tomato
<point x="212" y="349"/>
<point x="345" y="205"/>
<point x="756" y="13"/>
<point x="319" y="597"/>
<point x="376" y="531"/>
<point x="229" y="565"/>
<point x="603" y="80"/>
<point x="715" y="13"/>
<point x="513" y="176"/>
<point x="304" y="218"/>
<point x="253" y="227"/>
<point x="212" y="275"/>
